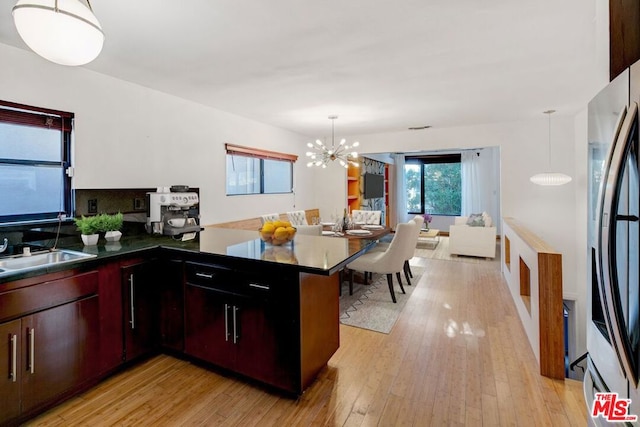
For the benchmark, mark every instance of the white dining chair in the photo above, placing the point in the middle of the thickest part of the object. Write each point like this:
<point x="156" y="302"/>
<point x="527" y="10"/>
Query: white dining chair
<point x="269" y="217"/>
<point x="387" y="262"/>
<point x="366" y="217"/>
<point x="297" y="218"/>
<point x="309" y="230"/>
<point x="417" y="223"/>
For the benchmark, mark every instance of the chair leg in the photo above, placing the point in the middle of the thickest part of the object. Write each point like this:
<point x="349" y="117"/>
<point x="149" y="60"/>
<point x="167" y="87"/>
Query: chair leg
<point x="406" y="275"/>
<point x="400" y="282"/>
<point x="366" y="274"/>
<point x="391" y="291"/>
<point x="408" y="267"/>
<point x="350" y="282"/>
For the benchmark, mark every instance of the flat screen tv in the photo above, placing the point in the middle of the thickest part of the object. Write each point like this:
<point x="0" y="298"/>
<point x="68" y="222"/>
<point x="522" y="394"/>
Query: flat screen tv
<point x="373" y="186"/>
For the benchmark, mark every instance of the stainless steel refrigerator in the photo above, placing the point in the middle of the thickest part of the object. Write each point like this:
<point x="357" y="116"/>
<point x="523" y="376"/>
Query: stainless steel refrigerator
<point x="613" y="297"/>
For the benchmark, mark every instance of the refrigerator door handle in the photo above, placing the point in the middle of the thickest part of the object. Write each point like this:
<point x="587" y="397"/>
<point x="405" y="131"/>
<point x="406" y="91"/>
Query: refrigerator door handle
<point x="606" y="261"/>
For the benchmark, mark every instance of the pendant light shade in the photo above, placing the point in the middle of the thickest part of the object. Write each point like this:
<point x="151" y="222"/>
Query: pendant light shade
<point x="550" y="178"/>
<point x="62" y="31"/>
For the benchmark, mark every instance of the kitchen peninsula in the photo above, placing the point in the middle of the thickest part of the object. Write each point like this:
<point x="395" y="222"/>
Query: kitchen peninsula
<point x="226" y="300"/>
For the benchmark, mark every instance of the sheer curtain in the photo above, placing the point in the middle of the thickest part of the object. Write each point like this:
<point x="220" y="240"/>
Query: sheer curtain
<point x="400" y="189"/>
<point x="471" y="183"/>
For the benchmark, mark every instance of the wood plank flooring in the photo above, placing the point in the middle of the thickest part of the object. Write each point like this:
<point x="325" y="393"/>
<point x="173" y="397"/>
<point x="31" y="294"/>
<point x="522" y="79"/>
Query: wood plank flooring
<point x="457" y="356"/>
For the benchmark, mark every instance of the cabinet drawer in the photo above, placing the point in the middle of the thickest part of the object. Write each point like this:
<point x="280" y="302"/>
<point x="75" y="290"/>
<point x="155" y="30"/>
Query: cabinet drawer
<point x="18" y="302"/>
<point x="226" y="280"/>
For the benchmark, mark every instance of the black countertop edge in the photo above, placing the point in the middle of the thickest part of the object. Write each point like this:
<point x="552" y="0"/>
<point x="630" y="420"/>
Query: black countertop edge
<point x="149" y="244"/>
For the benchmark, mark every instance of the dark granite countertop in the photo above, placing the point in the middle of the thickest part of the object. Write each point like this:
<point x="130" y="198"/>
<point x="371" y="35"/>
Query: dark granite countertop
<point x="310" y="254"/>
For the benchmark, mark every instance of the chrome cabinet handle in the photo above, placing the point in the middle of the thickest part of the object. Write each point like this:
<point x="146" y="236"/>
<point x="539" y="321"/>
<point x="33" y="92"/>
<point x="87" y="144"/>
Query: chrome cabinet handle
<point x="132" y="307"/>
<point x="32" y="350"/>
<point x="14" y="357"/>
<point x="259" y="286"/>
<point x="226" y="322"/>
<point x="205" y="275"/>
<point x="235" y="325"/>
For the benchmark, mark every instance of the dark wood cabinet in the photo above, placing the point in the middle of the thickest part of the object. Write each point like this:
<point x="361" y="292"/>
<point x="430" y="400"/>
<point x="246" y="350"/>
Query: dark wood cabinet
<point x="171" y="288"/>
<point x="62" y="350"/>
<point x="52" y="347"/>
<point x="241" y="324"/>
<point x="10" y="363"/>
<point x="140" y="319"/>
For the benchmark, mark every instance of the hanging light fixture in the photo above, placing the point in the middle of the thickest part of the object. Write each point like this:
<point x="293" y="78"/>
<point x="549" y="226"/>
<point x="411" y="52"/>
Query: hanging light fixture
<point x="550" y="178"/>
<point x="62" y="31"/>
<point x="323" y="154"/>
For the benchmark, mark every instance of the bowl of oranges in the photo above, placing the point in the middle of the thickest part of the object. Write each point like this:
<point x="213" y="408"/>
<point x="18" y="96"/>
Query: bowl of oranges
<point x="277" y="232"/>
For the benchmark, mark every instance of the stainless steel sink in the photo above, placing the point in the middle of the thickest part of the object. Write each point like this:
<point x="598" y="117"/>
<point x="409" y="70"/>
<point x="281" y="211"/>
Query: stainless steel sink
<point x="17" y="263"/>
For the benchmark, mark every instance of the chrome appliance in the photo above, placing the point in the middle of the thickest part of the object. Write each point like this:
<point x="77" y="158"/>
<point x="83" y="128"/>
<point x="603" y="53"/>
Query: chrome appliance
<point x="173" y="211"/>
<point x="613" y="297"/>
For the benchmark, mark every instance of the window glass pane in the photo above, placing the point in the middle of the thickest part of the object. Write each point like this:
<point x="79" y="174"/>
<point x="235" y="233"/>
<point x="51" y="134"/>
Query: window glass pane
<point x="29" y="143"/>
<point x="243" y="175"/>
<point x="414" y="192"/>
<point x="277" y="176"/>
<point x="442" y="188"/>
<point x="31" y="189"/>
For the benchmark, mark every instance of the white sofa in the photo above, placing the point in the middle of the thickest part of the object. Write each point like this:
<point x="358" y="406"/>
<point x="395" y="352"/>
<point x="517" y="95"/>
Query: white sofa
<point x="473" y="241"/>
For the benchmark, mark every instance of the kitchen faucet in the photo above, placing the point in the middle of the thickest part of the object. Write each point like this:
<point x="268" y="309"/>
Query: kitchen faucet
<point x="4" y="245"/>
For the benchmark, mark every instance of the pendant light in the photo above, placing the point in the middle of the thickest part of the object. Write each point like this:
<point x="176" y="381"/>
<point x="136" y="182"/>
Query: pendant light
<point x="550" y="178"/>
<point x="62" y="31"/>
<point x="323" y="154"/>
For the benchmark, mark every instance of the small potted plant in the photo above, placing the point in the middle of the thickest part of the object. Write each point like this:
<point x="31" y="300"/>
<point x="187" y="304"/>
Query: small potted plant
<point x="111" y="225"/>
<point x="88" y="227"/>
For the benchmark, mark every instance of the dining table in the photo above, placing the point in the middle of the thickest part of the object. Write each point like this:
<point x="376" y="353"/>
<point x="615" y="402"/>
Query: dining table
<point x="357" y="231"/>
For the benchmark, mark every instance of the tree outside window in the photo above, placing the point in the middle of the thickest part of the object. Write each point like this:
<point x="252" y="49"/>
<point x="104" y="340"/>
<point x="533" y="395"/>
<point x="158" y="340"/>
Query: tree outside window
<point x="434" y="185"/>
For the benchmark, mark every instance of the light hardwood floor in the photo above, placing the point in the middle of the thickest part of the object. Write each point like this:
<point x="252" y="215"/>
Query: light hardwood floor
<point x="457" y="356"/>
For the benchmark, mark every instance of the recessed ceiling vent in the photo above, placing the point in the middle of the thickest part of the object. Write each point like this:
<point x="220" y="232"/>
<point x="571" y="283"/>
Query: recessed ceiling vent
<point x="419" y="127"/>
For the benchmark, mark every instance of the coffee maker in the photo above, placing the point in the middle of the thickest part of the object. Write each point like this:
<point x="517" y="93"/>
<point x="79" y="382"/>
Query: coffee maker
<point x="173" y="211"/>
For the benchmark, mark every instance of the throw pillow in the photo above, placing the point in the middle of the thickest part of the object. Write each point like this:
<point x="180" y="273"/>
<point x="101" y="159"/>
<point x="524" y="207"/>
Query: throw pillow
<point x="475" y="220"/>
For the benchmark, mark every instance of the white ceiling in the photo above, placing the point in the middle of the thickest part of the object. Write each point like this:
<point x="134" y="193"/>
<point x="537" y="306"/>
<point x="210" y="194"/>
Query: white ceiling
<point x="380" y="65"/>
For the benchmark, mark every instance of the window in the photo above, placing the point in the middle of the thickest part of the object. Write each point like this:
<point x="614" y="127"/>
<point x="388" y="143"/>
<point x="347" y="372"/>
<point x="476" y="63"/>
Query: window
<point x="255" y="171"/>
<point x="35" y="147"/>
<point x="434" y="184"/>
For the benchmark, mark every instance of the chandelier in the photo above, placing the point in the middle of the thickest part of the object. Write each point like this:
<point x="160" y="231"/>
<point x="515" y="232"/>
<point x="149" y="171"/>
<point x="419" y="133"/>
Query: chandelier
<point x="550" y="178"/>
<point x="323" y="154"/>
<point x="62" y="31"/>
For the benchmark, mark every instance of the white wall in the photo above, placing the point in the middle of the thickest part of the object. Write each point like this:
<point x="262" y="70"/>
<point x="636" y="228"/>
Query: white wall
<point x="129" y="136"/>
<point x="551" y="212"/>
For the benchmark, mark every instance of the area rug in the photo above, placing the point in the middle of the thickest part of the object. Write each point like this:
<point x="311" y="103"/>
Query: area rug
<point x="370" y="307"/>
<point x="441" y="251"/>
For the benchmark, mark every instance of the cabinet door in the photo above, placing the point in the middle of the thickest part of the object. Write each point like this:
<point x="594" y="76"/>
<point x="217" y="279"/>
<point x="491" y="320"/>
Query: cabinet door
<point x="111" y="317"/>
<point x="10" y="357"/>
<point x="61" y="348"/>
<point x="140" y="320"/>
<point x="257" y="346"/>
<point x="171" y="285"/>
<point x="208" y="326"/>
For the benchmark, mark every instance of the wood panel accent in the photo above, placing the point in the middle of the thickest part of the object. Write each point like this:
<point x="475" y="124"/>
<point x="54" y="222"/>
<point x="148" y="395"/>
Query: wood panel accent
<point x="507" y="252"/>
<point x="624" y="35"/>
<point x="416" y="375"/>
<point x="353" y="187"/>
<point x="256" y="223"/>
<point x="258" y="152"/>
<point x="548" y="264"/>
<point x="525" y="284"/>
<point x="319" y="323"/>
